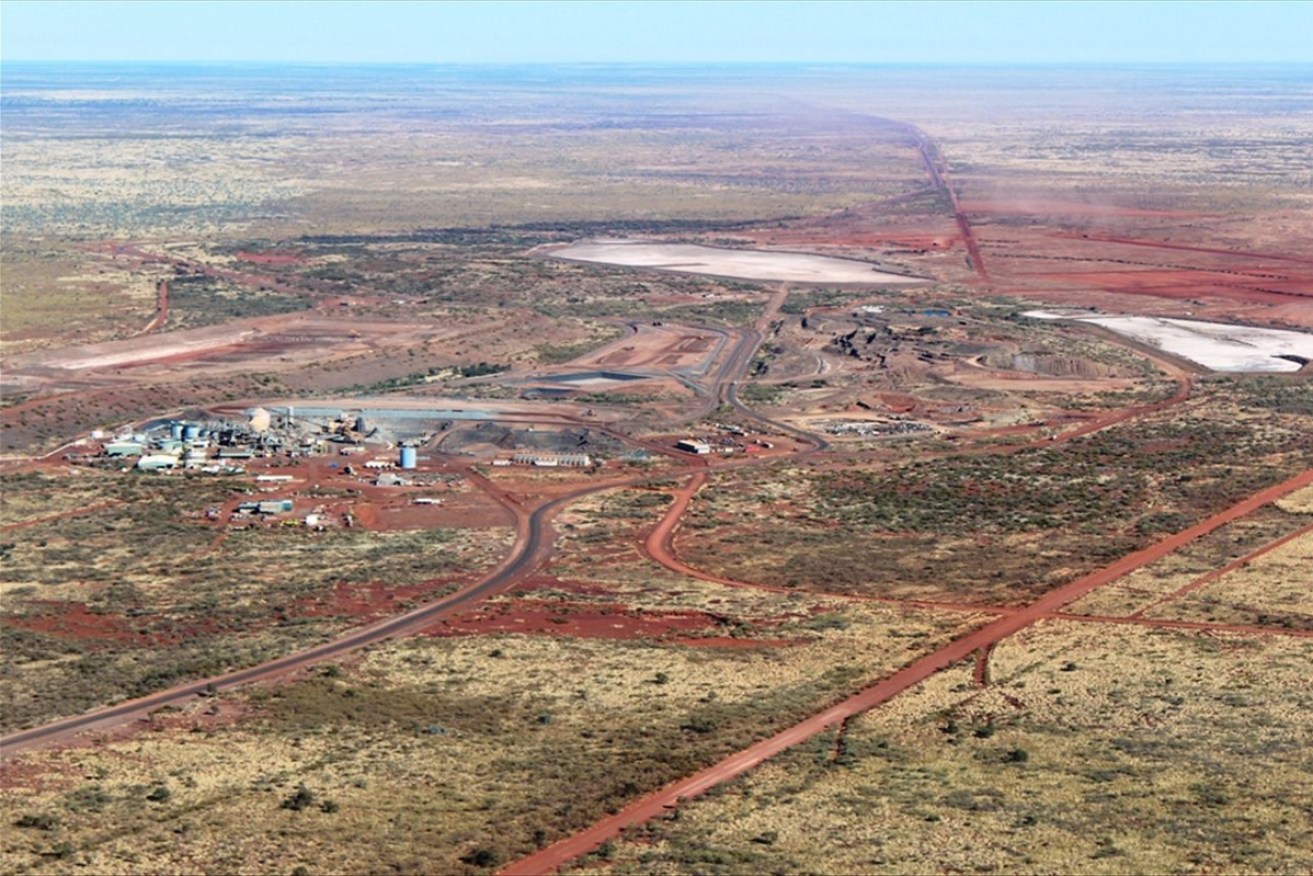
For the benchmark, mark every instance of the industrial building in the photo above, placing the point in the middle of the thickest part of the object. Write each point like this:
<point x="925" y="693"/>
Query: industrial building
<point x="551" y="460"/>
<point x="267" y="506"/>
<point x="690" y="445"/>
<point x="124" y="448"/>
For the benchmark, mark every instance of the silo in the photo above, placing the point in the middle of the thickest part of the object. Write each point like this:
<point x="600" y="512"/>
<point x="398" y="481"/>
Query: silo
<point x="409" y="457"/>
<point x="191" y="431"/>
<point x="175" y="430"/>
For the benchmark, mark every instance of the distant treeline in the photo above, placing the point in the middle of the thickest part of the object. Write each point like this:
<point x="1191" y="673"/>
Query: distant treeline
<point x="533" y="232"/>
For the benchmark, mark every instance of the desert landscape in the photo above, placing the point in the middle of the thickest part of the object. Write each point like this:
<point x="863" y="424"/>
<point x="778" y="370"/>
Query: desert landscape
<point x="648" y="470"/>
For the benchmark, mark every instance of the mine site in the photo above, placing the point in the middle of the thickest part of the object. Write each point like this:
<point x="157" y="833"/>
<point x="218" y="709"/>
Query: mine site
<point x="636" y="471"/>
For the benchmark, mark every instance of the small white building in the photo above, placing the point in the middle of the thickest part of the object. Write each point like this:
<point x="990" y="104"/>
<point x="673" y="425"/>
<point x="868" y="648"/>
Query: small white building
<point x="690" y="445"/>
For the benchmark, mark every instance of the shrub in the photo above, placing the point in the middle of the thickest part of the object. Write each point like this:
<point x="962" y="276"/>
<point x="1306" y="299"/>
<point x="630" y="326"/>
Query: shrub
<point x="699" y="724"/>
<point x="37" y="821"/>
<point x="481" y="857"/>
<point x="300" y="800"/>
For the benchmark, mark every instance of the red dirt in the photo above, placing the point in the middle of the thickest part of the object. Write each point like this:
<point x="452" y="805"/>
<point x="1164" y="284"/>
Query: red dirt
<point x="270" y="258"/>
<point x="161" y="308"/>
<point x="664" y="347"/>
<point x="1205" y="580"/>
<point x="937" y="169"/>
<point x="1184" y="387"/>
<point x="583" y="620"/>
<point x="72" y="620"/>
<point x="1057" y="207"/>
<point x="1200" y="626"/>
<point x="1182" y="247"/>
<point x="658" y="547"/>
<point x="1185" y="285"/>
<point x="898" y="402"/>
<point x="37" y="777"/>
<point x="980" y="676"/>
<point x="652" y="805"/>
<point x="538" y="583"/>
<point x="368" y="601"/>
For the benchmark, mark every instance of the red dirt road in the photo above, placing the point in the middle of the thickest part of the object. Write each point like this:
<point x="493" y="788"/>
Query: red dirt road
<point x="76" y="512"/>
<point x="646" y="808"/>
<point x="1198" y="626"/>
<point x="161" y="308"/>
<point x="937" y="169"/>
<point x="1205" y="580"/>
<point x="1181" y="247"/>
<point x="659" y="548"/>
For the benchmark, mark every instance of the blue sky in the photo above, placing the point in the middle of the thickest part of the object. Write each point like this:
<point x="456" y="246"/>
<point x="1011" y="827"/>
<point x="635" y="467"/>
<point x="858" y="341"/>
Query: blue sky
<point x="783" y="31"/>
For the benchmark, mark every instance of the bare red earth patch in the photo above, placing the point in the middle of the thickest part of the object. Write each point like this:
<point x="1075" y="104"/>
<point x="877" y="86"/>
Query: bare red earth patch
<point x="1057" y="207"/>
<point x="546" y="582"/>
<point x="72" y="620"/>
<point x="575" y="619"/>
<point x="369" y="601"/>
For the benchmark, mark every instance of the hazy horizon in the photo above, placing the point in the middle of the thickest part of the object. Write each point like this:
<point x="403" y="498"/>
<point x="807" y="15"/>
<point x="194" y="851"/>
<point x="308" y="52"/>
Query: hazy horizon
<point x="989" y="33"/>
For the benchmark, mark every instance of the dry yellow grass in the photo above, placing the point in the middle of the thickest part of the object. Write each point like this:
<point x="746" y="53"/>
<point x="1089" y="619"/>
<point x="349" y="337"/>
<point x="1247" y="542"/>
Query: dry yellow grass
<point x="93" y="612"/>
<point x="53" y="293"/>
<point x="1274" y="589"/>
<point x="430" y="748"/>
<point x="1300" y="502"/>
<point x="1144" y="751"/>
<point x="27" y="499"/>
<point x="1147" y="585"/>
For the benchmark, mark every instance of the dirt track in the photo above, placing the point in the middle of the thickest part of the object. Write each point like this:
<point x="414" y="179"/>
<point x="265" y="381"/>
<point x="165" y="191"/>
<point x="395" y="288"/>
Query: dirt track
<point x="1199" y="626"/>
<point x="1205" y="580"/>
<point x="76" y="512"/>
<point x="161" y="309"/>
<point x="532" y="547"/>
<point x="937" y="168"/>
<point x="1181" y="247"/>
<point x="646" y="808"/>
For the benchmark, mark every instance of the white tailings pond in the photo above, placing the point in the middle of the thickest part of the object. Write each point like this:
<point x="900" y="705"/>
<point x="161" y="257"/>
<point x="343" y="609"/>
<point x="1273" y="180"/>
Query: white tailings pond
<point x="1216" y="345"/>
<point x="739" y="264"/>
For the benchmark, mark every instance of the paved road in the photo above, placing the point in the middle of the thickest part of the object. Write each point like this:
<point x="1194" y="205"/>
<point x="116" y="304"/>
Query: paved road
<point x="531" y="547"/>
